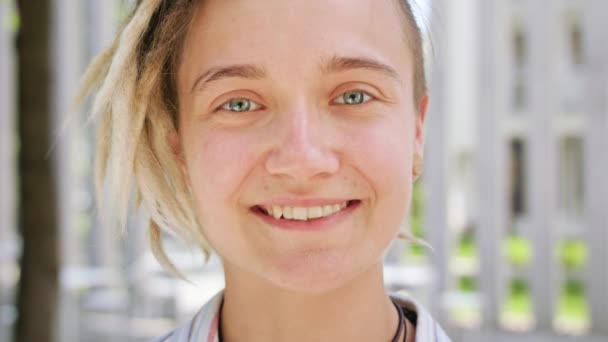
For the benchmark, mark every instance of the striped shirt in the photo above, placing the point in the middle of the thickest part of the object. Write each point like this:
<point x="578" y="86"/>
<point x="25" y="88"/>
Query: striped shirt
<point x="203" y="327"/>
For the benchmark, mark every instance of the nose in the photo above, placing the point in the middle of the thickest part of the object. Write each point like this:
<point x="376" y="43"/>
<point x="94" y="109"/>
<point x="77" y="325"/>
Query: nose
<point x="303" y="149"/>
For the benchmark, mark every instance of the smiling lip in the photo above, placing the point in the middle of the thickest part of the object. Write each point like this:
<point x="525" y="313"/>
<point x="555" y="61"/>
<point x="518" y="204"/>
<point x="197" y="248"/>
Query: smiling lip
<point x="318" y="224"/>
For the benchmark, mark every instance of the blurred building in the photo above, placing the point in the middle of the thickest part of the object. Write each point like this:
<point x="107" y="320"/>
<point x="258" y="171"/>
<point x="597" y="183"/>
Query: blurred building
<point x="518" y="148"/>
<point x="513" y="198"/>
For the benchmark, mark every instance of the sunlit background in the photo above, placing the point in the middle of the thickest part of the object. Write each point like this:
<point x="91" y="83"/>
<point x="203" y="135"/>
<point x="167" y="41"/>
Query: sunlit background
<point x="513" y="199"/>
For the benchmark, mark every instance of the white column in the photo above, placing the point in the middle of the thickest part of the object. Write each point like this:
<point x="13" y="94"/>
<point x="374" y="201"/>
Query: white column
<point x="542" y="162"/>
<point x="596" y="161"/>
<point x="67" y="62"/>
<point x="435" y="160"/>
<point x="542" y="21"/>
<point x="491" y="158"/>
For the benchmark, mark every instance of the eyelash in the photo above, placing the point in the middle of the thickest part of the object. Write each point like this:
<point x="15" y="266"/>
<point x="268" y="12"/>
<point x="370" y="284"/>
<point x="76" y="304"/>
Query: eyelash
<point x="366" y="98"/>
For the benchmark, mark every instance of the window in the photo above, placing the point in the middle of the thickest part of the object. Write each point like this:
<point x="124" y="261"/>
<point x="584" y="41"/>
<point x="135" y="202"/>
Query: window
<point x="520" y="60"/>
<point x="575" y="39"/>
<point x="571" y="179"/>
<point x="519" y="92"/>
<point x="519" y="48"/>
<point x="517" y="188"/>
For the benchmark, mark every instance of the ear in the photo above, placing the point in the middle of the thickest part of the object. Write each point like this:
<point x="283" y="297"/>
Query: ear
<point x="420" y="119"/>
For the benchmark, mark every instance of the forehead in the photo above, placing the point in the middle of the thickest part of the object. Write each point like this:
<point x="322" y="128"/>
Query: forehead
<point x="294" y="33"/>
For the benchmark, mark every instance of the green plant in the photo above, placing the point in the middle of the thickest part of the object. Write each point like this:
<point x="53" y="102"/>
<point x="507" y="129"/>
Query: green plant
<point x="467" y="284"/>
<point x="518" y="311"/>
<point x="517" y="250"/>
<point x="466" y="247"/>
<point x="572" y="307"/>
<point x="573" y="254"/>
<point x="12" y="20"/>
<point x="417" y="200"/>
<point x="417" y="252"/>
<point x="519" y="301"/>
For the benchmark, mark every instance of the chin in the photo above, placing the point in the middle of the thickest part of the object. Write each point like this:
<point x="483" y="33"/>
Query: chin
<point x="313" y="273"/>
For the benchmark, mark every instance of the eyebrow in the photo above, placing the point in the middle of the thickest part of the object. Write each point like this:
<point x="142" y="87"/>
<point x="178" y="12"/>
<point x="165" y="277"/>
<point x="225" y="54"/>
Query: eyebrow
<point x="246" y="71"/>
<point x="335" y="64"/>
<point x="340" y="64"/>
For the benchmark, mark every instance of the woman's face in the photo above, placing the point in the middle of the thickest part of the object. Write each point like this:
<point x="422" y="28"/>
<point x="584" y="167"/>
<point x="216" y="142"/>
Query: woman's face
<point x="299" y="104"/>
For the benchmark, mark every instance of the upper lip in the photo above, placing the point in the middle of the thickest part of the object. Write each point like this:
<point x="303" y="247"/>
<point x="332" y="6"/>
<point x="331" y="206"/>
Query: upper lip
<point x="304" y="202"/>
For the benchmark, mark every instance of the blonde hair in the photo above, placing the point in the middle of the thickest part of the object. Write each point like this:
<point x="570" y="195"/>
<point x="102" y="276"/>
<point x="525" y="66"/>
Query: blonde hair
<point x="137" y="106"/>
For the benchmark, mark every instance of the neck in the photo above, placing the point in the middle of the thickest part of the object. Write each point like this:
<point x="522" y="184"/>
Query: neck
<point x="358" y="311"/>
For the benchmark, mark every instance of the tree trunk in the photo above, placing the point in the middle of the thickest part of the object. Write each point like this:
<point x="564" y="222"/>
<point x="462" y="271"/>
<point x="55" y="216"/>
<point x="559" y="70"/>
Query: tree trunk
<point x="38" y="287"/>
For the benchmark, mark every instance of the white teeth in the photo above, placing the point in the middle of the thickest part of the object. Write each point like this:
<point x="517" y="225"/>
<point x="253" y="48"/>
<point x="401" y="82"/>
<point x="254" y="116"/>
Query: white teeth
<point x="315" y="212"/>
<point x="300" y="213"/>
<point x="277" y="212"/>
<point x="288" y="213"/>
<point x="303" y="213"/>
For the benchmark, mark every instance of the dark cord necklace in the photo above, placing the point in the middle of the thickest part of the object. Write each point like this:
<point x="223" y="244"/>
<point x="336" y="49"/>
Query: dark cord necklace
<point x="401" y="327"/>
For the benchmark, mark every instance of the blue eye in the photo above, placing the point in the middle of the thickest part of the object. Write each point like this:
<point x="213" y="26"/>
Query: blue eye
<point x="240" y="104"/>
<point x="353" y="97"/>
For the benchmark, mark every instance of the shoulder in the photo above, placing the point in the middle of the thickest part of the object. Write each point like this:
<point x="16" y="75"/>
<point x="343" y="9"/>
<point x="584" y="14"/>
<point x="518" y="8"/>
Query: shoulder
<point x="204" y="323"/>
<point x="427" y="329"/>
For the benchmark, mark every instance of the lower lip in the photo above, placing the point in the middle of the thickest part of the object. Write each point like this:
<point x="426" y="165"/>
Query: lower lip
<point x="318" y="224"/>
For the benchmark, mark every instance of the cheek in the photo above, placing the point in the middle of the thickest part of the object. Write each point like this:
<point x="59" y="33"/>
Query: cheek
<point x="218" y="161"/>
<point x="383" y="154"/>
<point x="384" y="151"/>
